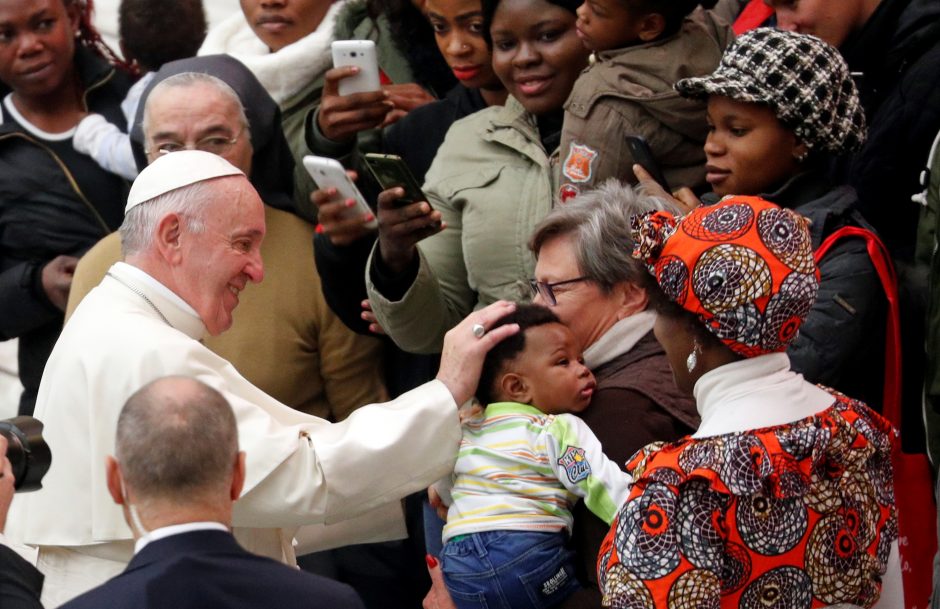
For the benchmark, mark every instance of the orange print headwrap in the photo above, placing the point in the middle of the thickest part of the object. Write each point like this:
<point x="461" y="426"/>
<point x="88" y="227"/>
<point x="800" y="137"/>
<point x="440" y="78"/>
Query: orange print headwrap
<point x="744" y="266"/>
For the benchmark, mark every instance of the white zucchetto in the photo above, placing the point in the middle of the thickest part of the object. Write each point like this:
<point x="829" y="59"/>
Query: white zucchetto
<point x="175" y="170"/>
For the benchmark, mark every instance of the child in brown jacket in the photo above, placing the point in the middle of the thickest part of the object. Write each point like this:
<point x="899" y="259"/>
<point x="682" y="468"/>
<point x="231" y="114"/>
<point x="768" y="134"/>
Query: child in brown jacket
<point x="641" y="48"/>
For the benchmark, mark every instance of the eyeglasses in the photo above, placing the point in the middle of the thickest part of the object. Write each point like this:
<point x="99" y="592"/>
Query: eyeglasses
<point x="547" y="290"/>
<point x="216" y="144"/>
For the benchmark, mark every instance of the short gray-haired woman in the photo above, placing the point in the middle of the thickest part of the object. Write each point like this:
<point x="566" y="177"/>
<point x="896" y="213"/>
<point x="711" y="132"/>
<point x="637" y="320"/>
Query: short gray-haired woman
<point x="585" y="273"/>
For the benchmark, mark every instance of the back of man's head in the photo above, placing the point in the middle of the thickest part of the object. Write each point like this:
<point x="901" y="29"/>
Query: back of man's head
<point x="177" y="441"/>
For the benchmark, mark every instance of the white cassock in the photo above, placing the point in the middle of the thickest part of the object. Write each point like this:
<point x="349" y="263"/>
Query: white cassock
<point x="301" y="469"/>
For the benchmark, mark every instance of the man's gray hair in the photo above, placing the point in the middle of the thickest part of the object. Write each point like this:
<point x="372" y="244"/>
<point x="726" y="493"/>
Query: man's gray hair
<point x="189" y="79"/>
<point x="177" y="439"/>
<point x="140" y="223"/>
<point x="599" y="223"/>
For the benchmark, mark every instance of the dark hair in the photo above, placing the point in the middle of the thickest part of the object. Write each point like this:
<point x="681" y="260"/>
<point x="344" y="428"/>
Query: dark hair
<point x="527" y="316"/>
<point x="672" y="11"/>
<point x="490" y="6"/>
<point x="89" y="37"/>
<point x="412" y="34"/>
<point x="153" y="33"/>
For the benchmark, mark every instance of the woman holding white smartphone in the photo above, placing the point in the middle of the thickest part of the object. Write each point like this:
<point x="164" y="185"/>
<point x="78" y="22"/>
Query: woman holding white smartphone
<point x="346" y="239"/>
<point x="411" y="74"/>
<point x="491" y="182"/>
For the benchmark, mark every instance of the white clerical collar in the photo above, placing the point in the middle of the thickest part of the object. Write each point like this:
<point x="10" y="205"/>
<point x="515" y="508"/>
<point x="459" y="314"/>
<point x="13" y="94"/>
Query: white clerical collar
<point x="153" y="284"/>
<point x="754" y="393"/>
<point x="177" y="529"/>
<point x="620" y="338"/>
<point x="168" y="306"/>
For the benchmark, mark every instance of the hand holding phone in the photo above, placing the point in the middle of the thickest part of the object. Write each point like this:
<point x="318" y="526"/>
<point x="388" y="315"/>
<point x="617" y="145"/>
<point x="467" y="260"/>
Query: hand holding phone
<point x="389" y="171"/>
<point x="329" y="173"/>
<point x="405" y="218"/>
<point x="643" y="156"/>
<point x="361" y="54"/>
<point x="352" y="98"/>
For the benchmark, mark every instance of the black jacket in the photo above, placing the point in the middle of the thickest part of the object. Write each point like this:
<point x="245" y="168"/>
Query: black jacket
<point x="45" y="212"/>
<point x="841" y="342"/>
<point x="20" y="582"/>
<point x="897" y="53"/>
<point x="204" y="569"/>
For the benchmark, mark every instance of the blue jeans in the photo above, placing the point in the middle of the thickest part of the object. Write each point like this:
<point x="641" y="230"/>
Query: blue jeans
<point x="509" y="570"/>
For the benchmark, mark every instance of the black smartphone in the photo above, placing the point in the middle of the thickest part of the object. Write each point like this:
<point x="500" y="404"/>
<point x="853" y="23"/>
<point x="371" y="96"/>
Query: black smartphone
<point x="389" y="170"/>
<point x="643" y="156"/>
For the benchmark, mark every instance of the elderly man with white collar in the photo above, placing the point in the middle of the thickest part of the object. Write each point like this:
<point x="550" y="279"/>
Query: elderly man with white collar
<point x="191" y="239"/>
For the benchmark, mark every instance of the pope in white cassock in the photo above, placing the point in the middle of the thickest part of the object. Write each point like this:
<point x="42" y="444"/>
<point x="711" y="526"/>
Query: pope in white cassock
<point x="191" y="239"/>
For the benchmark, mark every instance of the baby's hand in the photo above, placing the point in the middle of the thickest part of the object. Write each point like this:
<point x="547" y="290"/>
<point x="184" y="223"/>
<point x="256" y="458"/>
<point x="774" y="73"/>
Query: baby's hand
<point x="437" y="503"/>
<point x="470" y="412"/>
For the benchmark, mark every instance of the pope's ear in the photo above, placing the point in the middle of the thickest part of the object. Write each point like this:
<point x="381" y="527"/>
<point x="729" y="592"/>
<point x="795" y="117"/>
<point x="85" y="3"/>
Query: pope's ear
<point x="168" y="236"/>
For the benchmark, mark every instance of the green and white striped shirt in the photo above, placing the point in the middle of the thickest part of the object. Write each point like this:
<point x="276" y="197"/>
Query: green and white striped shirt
<point x="521" y="469"/>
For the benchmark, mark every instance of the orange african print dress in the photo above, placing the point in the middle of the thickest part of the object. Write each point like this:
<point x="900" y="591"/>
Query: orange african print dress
<point x="791" y="517"/>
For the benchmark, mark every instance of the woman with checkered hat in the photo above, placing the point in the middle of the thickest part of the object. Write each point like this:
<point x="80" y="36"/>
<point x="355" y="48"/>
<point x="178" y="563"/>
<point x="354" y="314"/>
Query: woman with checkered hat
<point x="782" y="106"/>
<point x="784" y="496"/>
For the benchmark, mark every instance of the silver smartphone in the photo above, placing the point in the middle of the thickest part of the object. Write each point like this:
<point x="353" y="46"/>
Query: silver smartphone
<point x="329" y="173"/>
<point x="359" y="53"/>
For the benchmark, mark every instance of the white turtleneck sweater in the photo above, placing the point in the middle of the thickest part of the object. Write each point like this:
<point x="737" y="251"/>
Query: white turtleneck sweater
<point x="753" y="393"/>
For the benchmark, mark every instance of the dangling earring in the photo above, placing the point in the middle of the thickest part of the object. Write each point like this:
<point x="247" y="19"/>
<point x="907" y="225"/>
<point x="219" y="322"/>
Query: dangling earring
<point x="692" y="361"/>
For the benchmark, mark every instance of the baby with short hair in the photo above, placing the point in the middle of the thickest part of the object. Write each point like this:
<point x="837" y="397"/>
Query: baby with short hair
<point x="522" y="464"/>
<point x="151" y="34"/>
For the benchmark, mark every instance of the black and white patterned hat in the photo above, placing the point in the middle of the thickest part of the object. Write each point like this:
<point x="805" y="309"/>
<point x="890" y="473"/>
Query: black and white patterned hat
<point x="804" y="80"/>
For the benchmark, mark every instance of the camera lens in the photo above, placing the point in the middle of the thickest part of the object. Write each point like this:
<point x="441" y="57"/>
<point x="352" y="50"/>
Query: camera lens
<point x="27" y="451"/>
<point x="353" y="54"/>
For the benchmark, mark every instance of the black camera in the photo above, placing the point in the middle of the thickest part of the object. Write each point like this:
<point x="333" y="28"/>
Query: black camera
<point x="27" y="451"/>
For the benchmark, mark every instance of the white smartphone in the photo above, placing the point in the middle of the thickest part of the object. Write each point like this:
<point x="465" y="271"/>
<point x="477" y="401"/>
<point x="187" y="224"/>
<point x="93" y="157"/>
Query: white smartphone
<point x="329" y="173"/>
<point x="359" y="53"/>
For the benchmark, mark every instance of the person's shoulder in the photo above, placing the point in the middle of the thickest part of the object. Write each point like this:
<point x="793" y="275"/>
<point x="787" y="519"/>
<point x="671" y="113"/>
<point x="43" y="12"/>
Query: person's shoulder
<point x="480" y="120"/>
<point x="112" y="594"/>
<point x="350" y="19"/>
<point x="434" y="112"/>
<point x="20" y="581"/>
<point x="288" y="586"/>
<point x="281" y="222"/>
<point x="104" y="83"/>
<point x="467" y="140"/>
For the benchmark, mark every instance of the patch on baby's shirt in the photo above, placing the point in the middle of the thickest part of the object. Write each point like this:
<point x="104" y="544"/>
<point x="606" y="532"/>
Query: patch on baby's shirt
<point x="576" y="464"/>
<point x="577" y="167"/>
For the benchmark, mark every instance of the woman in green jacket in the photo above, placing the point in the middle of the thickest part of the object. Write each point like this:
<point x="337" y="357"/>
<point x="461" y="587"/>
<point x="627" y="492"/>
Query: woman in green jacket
<point x="490" y="184"/>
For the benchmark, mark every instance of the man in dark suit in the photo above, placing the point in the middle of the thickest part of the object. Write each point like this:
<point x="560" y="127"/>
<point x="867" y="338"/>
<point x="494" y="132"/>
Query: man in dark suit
<point x="20" y="582"/>
<point x="176" y="472"/>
